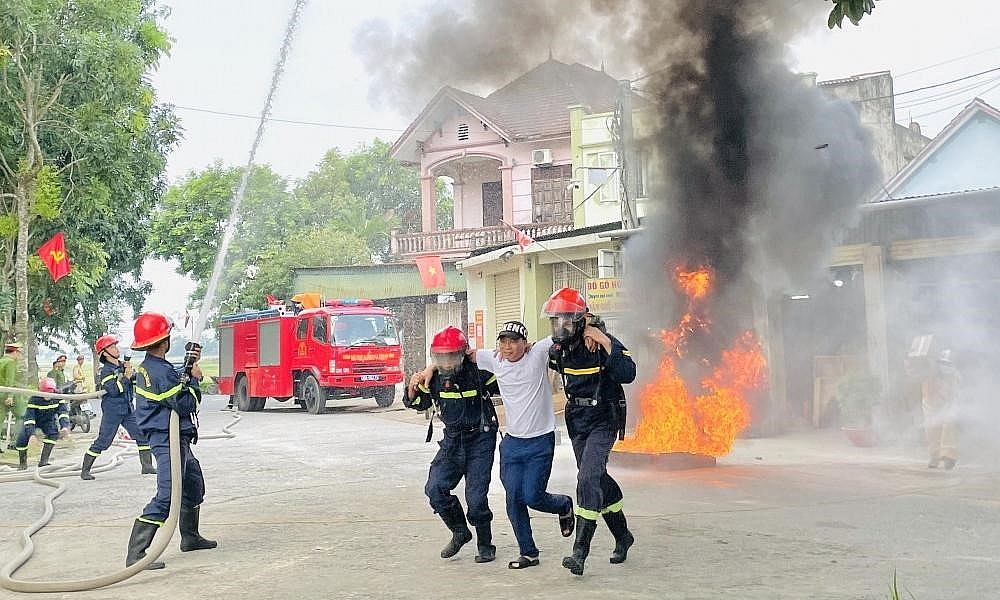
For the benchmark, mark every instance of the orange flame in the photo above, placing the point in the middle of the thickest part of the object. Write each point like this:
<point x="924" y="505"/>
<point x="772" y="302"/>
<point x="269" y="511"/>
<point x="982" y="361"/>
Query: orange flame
<point x="706" y="421"/>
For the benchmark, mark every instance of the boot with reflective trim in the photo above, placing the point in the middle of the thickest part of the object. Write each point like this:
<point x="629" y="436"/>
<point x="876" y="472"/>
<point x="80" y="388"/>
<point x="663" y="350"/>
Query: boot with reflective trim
<point x="88" y="463"/>
<point x="43" y="460"/>
<point x="22" y="460"/>
<point x="487" y="552"/>
<point x="190" y="538"/>
<point x="623" y="537"/>
<point x="146" y="460"/>
<point x="454" y="518"/>
<point x="585" y="529"/>
<point x="141" y="538"/>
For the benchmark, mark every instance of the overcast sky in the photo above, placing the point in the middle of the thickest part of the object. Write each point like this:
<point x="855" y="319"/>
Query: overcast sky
<point x="224" y="52"/>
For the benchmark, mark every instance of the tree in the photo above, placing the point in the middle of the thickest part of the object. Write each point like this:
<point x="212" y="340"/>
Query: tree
<point x="82" y="150"/>
<point x="854" y="10"/>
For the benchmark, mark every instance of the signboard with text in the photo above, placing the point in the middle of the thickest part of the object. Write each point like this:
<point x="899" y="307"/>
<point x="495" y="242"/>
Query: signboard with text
<point x="603" y="295"/>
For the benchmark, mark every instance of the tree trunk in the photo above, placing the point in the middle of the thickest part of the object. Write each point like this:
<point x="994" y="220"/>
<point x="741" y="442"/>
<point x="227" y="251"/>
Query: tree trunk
<point x="22" y="328"/>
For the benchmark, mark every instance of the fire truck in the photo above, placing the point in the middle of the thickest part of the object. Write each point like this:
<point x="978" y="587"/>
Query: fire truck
<point x="339" y="349"/>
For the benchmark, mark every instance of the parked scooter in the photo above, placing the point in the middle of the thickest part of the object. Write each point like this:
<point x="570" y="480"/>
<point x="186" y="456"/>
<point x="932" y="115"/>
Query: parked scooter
<point x="80" y="411"/>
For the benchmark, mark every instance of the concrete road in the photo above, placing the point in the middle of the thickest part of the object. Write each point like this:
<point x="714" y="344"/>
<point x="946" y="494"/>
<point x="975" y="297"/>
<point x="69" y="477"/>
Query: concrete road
<point x="332" y="506"/>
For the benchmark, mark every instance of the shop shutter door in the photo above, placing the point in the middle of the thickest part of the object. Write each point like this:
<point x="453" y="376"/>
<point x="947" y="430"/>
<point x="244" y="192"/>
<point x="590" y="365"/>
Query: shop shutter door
<point x="507" y="299"/>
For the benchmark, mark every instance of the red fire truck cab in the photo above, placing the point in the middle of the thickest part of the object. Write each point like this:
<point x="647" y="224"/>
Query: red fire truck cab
<point x="344" y="348"/>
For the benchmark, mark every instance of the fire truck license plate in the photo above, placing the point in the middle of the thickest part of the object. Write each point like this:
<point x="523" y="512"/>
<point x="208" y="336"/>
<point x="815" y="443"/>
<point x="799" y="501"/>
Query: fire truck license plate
<point x="370" y="378"/>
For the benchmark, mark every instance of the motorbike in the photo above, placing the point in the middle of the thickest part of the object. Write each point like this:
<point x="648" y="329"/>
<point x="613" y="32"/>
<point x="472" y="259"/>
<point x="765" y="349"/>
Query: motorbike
<point x="80" y="411"/>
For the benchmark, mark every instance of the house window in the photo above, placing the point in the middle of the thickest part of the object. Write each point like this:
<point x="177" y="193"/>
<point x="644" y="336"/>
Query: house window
<point x="601" y="179"/>
<point x="551" y="194"/>
<point x="564" y="275"/>
<point x="463" y="132"/>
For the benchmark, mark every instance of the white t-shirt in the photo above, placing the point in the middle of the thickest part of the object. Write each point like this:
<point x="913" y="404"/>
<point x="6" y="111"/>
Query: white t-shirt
<point x="525" y="387"/>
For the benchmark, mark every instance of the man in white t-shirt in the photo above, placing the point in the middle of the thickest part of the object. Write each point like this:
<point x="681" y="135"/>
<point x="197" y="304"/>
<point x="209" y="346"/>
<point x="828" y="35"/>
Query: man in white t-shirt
<point x="528" y="445"/>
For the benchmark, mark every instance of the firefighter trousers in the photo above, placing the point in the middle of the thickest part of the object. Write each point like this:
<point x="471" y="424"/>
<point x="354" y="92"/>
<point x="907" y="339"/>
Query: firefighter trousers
<point x="44" y="419"/>
<point x="466" y="454"/>
<point x="114" y="413"/>
<point x="193" y="482"/>
<point x="596" y="491"/>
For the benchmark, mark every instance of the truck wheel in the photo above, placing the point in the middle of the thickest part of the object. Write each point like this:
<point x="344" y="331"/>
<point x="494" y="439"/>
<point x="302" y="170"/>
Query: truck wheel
<point x="257" y="403"/>
<point x="242" y="397"/>
<point x="313" y="396"/>
<point x="385" y="395"/>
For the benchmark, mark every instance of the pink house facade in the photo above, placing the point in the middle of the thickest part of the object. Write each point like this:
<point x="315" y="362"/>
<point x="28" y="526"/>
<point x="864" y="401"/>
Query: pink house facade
<point x="508" y="156"/>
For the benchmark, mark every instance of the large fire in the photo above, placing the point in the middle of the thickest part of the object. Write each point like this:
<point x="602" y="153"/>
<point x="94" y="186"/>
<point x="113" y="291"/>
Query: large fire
<point x="704" y="421"/>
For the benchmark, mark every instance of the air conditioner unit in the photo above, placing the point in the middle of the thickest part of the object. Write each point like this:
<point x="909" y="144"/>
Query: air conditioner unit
<point x="541" y="157"/>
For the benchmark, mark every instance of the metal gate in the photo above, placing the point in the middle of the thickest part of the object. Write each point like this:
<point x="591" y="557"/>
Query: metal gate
<point x="439" y="316"/>
<point x="507" y="297"/>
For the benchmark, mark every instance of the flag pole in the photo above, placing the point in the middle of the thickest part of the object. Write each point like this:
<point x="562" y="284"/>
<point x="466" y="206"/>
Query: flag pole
<point x="550" y="251"/>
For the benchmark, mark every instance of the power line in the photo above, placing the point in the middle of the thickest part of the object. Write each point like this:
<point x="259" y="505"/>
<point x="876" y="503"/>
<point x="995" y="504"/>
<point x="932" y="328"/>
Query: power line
<point x="945" y="62"/>
<point x="956" y="105"/>
<point x="935" y="85"/>
<point x="292" y="121"/>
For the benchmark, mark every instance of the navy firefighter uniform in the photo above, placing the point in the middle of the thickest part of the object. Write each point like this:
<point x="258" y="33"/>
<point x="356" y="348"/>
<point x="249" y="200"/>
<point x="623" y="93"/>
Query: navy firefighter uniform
<point x="116" y="410"/>
<point x="595" y="415"/>
<point x="461" y="394"/>
<point x="162" y="388"/>
<point x="48" y="414"/>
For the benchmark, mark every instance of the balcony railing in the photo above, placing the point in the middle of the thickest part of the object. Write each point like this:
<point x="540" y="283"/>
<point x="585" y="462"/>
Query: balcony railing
<point x="461" y="242"/>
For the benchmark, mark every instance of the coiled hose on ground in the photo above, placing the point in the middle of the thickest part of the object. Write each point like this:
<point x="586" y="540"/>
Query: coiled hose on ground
<point x="45" y="475"/>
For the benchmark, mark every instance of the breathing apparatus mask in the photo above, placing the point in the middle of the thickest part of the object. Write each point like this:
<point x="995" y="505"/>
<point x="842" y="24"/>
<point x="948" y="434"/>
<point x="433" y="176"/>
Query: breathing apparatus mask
<point x="448" y="366"/>
<point x="567" y="328"/>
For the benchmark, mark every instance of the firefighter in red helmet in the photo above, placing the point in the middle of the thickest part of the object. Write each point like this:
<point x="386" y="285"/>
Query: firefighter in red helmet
<point x="462" y="395"/>
<point x="48" y="414"/>
<point x="116" y="380"/>
<point x="161" y="387"/>
<point x="595" y="418"/>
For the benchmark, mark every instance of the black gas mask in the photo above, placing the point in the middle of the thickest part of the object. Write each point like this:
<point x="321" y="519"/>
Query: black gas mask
<point x="567" y="328"/>
<point x="448" y="365"/>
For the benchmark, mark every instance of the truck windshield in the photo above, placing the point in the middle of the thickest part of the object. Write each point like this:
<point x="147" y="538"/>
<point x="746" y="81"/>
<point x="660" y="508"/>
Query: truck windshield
<point x="351" y="330"/>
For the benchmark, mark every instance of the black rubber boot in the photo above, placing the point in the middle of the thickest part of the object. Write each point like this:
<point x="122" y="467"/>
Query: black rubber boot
<point x="623" y="537"/>
<point x="43" y="460"/>
<point x="146" y="460"/>
<point x="141" y="538"/>
<point x="88" y="462"/>
<point x="22" y="460"/>
<point x="454" y="518"/>
<point x="190" y="538"/>
<point x="585" y="529"/>
<point x="487" y="552"/>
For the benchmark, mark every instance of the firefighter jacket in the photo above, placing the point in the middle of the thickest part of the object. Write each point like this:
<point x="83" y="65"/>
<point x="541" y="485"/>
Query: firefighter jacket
<point x="44" y="407"/>
<point x="592" y="378"/>
<point x="117" y="388"/>
<point x="464" y="402"/>
<point x="159" y="388"/>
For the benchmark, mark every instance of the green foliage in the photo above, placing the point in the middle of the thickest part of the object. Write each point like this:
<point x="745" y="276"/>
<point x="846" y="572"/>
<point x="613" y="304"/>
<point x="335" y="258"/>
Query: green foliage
<point x="854" y="10"/>
<point x="858" y="394"/>
<point x="341" y="213"/>
<point x="103" y="144"/>
<point x="445" y="206"/>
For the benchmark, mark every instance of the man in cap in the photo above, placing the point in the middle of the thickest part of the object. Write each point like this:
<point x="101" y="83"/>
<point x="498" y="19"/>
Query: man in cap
<point x="58" y="371"/>
<point x="12" y="406"/>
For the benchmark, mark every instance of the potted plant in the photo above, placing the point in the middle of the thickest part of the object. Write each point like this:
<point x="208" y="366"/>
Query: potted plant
<point x="858" y="394"/>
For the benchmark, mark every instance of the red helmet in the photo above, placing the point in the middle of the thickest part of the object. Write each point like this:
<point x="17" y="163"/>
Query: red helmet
<point x="103" y="342"/>
<point x="449" y="339"/>
<point x="46" y="384"/>
<point x="149" y="328"/>
<point x="565" y="301"/>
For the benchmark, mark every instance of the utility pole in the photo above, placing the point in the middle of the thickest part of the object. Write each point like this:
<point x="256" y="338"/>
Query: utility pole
<point x="625" y="148"/>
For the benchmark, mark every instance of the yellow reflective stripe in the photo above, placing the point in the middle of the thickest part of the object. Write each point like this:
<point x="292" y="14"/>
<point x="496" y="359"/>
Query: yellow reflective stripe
<point x="491" y="380"/>
<point x="94" y="454"/>
<point x="48" y="441"/>
<point x="30" y="422"/>
<point x="458" y="395"/>
<point x="108" y="378"/>
<point x="120" y="388"/>
<point x="626" y="353"/>
<point x="423" y="388"/>
<point x="617" y="506"/>
<point x="142" y="448"/>
<point x="43" y="406"/>
<point x="587" y="371"/>
<point x="148" y="395"/>
<point x="590" y="515"/>
<point x="150" y="521"/>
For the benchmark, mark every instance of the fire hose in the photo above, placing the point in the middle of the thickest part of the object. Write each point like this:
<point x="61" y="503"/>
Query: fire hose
<point x="42" y="476"/>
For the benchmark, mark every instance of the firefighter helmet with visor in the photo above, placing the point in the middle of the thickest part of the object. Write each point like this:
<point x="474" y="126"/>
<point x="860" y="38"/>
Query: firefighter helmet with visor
<point x="104" y="342"/>
<point x="150" y="328"/>
<point x="567" y="312"/>
<point x="448" y="349"/>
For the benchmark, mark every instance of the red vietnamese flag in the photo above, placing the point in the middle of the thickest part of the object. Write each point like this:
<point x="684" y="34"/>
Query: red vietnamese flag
<point x="431" y="272"/>
<point x="523" y="239"/>
<point x="53" y="254"/>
